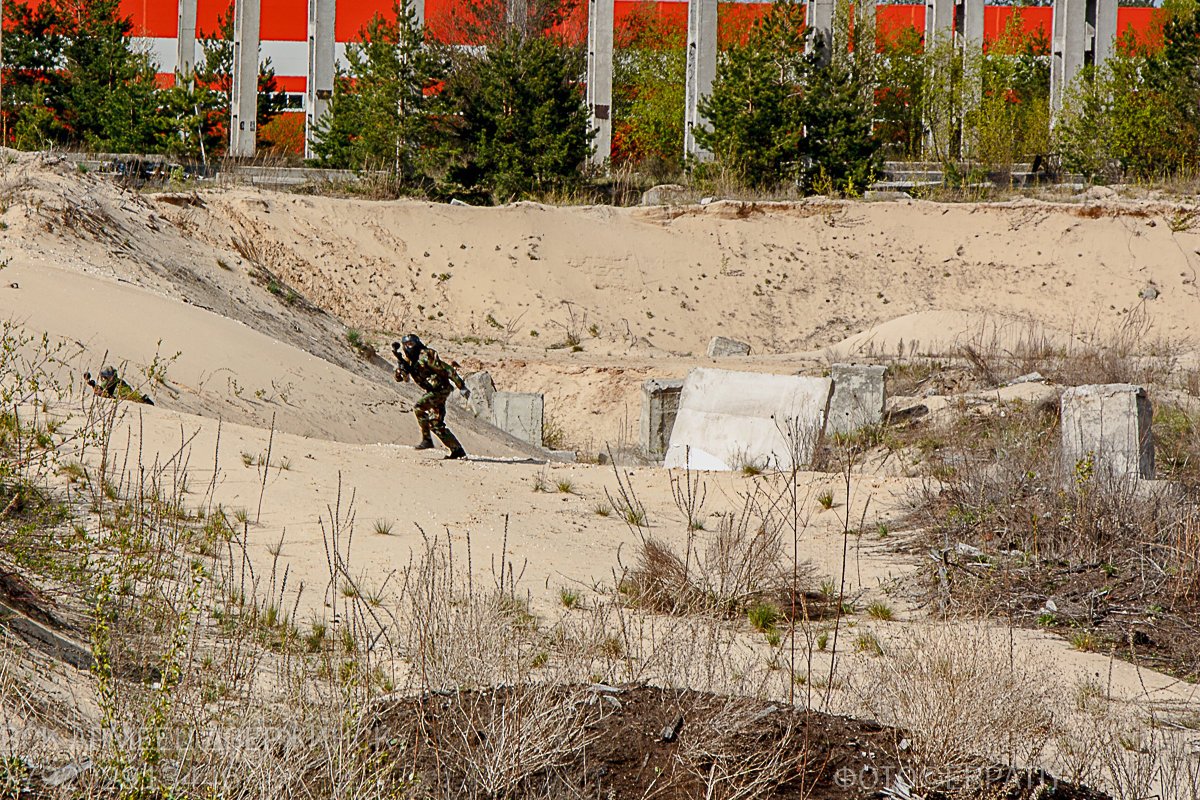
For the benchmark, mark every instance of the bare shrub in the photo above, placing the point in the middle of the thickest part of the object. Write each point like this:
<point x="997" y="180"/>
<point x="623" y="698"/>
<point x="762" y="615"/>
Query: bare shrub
<point x="492" y="744"/>
<point x="1130" y="353"/>
<point x="732" y="759"/>
<point x="965" y="699"/>
<point x="740" y="564"/>
<point x="458" y="633"/>
<point x="1003" y="485"/>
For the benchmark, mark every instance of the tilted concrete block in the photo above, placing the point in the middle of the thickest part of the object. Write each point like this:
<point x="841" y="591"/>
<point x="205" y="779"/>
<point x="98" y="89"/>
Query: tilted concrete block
<point x="1106" y="430"/>
<point x="519" y="414"/>
<point x="660" y="404"/>
<point x="483" y="392"/>
<point x="858" y="397"/>
<point x="721" y="346"/>
<point x="729" y="419"/>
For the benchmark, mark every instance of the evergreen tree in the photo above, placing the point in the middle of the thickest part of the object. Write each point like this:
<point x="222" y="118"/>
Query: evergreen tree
<point x="839" y="147"/>
<point x="776" y="114"/>
<point x="33" y="80"/>
<point x="517" y="122"/>
<point x="383" y="110"/>
<point x="109" y="98"/>
<point x="756" y="110"/>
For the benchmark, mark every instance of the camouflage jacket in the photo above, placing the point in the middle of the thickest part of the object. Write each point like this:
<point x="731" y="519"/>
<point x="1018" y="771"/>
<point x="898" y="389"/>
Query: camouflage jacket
<point x="430" y="372"/>
<point x="118" y="389"/>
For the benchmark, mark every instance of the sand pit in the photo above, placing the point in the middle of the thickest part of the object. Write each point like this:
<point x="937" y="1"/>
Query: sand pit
<point x="233" y="310"/>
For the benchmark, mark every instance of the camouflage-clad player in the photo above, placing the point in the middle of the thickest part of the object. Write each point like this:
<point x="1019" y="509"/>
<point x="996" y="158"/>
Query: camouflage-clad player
<point x="112" y="385"/>
<point x="438" y="379"/>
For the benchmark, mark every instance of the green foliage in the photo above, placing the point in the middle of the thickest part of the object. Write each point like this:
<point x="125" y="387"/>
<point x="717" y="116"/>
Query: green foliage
<point x="901" y="79"/>
<point x="516" y="121"/>
<point x="1138" y="115"/>
<point x="1012" y="119"/>
<point x="763" y="617"/>
<point x="648" y="93"/>
<point x="74" y="77"/>
<point x="382" y="114"/>
<point x="777" y="114"/>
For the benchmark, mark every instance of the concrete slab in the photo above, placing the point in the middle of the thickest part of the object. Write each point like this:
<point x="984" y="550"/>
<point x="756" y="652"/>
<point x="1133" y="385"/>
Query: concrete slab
<point x="858" y="397"/>
<point x="1108" y="427"/>
<point x="519" y="414"/>
<point x="660" y="404"/>
<point x="722" y="347"/>
<point x="727" y="419"/>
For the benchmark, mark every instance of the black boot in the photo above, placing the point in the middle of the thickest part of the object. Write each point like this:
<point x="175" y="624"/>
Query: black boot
<point x="456" y="453"/>
<point x="425" y="444"/>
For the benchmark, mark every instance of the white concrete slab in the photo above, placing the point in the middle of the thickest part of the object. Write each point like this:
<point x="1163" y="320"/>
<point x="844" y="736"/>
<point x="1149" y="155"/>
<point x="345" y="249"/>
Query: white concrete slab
<point x="728" y="419"/>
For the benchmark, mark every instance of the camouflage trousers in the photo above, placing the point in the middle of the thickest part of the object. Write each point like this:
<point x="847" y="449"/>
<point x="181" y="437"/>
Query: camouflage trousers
<point x="430" y="409"/>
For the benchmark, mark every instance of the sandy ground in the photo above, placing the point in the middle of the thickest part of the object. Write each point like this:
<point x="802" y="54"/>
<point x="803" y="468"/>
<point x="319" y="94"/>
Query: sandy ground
<point x="125" y="276"/>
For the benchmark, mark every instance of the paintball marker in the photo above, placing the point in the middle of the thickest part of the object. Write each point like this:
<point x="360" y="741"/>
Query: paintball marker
<point x="401" y="374"/>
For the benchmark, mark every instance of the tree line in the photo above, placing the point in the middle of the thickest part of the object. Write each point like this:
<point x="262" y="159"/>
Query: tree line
<point x="503" y="116"/>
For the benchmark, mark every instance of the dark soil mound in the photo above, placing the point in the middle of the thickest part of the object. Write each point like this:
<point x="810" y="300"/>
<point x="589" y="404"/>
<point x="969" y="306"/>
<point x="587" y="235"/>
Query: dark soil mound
<point x="642" y="742"/>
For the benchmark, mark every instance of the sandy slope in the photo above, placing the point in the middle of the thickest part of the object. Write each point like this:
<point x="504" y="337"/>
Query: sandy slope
<point x="642" y="290"/>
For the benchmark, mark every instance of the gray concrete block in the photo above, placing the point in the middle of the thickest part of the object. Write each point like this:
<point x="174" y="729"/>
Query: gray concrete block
<point x="660" y="404"/>
<point x="663" y="194"/>
<point x="721" y="346"/>
<point x="1108" y="426"/>
<point x="483" y="392"/>
<point x="858" y="397"/>
<point x="519" y="414"/>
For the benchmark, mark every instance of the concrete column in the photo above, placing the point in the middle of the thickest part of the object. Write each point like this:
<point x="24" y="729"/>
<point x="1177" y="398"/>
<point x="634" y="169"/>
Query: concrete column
<point x="939" y="22"/>
<point x="517" y="13"/>
<point x="1068" y="48"/>
<point x="858" y="398"/>
<point x="1106" y="432"/>
<point x="660" y="404"/>
<point x="185" y="39"/>
<point x="418" y="7"/>
<point x="701" y="71"/>
<point x="1105" y="24"/>
<point x="243" y="107"/>
<point x="600" y="75"/>
<point x="819" y="18"/>
<point x="971" y="34"/>
<point x="319" y="86"/>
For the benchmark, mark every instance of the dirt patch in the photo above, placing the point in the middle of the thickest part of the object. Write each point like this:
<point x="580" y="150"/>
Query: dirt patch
<point x="642" y="741"/>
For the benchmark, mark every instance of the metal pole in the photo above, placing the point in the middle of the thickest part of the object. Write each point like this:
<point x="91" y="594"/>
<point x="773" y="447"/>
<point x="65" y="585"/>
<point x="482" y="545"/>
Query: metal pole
<point x="600" y="75"/>
<point x="318" y="88"/>
<point x="243" y="106"/>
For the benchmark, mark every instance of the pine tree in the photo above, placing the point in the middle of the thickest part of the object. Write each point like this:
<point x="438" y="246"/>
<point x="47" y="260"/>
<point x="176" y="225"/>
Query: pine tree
<point x="517" y="122"/>
<point x="778" y="115"/>
<point x="33" y="81"/>
<point x="109" y="98"/>
<point x="383" y="109"/>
